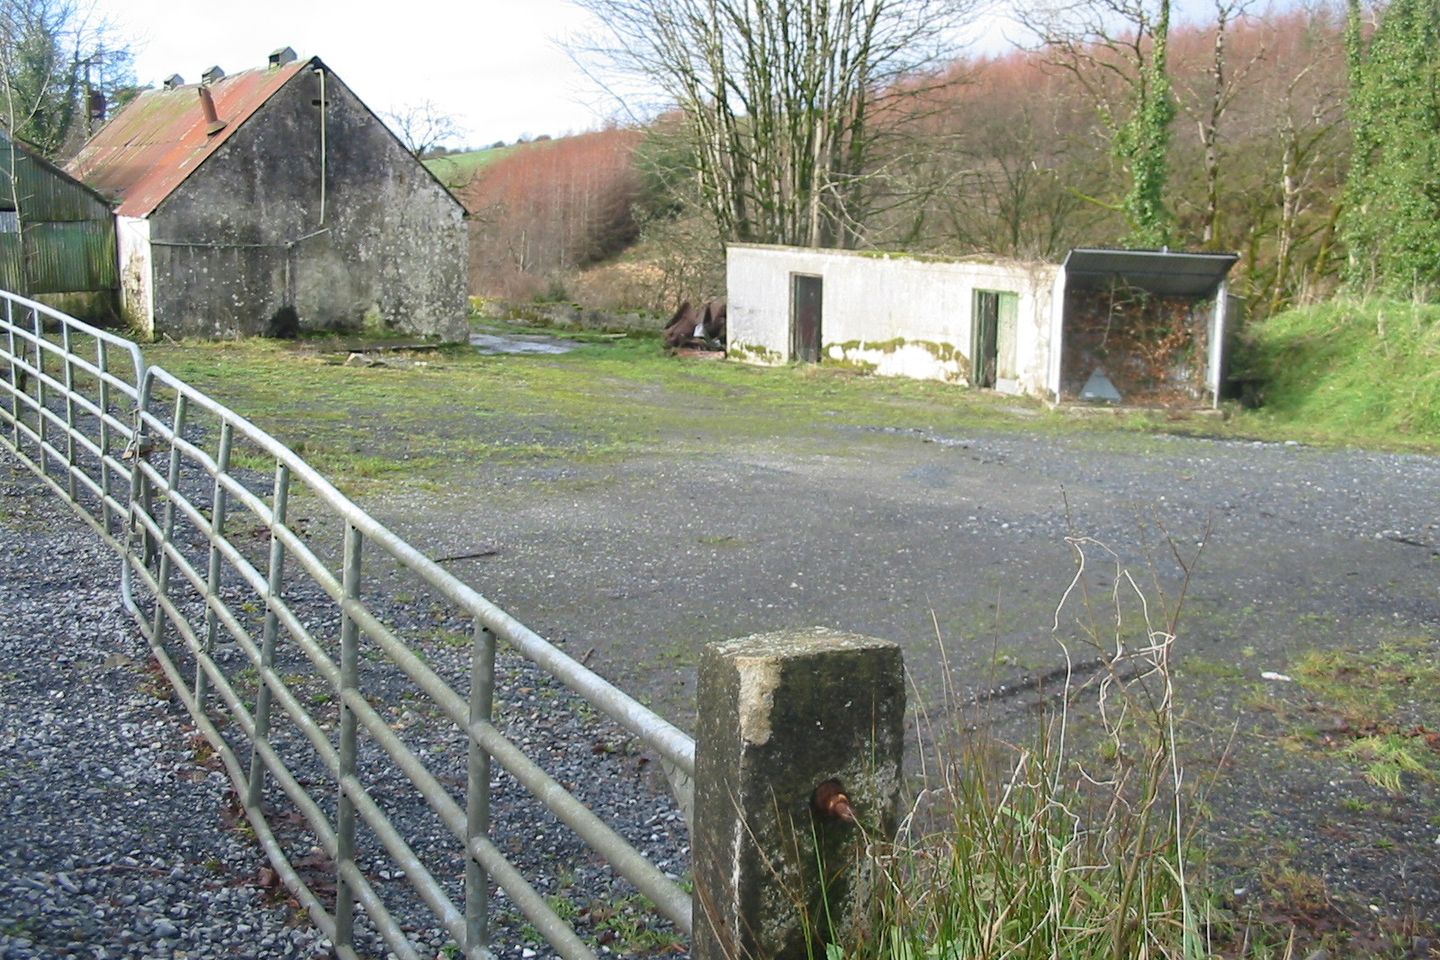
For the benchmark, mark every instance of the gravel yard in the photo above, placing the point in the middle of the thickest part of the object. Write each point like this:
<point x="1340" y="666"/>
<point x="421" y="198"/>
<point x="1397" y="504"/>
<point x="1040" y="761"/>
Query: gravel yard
<point x="1319" y="567"/>
<point x="1312" y="560"/>
<point x="118" y="838"/>
<point x="111" y="837"/>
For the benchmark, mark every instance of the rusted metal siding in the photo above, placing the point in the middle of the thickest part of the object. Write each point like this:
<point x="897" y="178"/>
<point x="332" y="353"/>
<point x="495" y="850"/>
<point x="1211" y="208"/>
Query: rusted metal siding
<point x="68" y="257"/>
<point x="12" y="277"/>
<point x="45" y="193"/>
<point x="76" y="257"/>
<point x="66" y="242"/>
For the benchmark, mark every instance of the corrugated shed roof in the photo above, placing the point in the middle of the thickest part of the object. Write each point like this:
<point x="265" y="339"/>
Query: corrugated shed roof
<point x="1164" y="272"/>
<point x="159" y="139"/>
<point x="61" y="177"/>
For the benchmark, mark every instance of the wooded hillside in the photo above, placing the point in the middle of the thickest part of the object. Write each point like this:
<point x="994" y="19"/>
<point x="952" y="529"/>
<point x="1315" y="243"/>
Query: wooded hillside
<point x="551" y="207"/>
<point x="1010" y="155"/>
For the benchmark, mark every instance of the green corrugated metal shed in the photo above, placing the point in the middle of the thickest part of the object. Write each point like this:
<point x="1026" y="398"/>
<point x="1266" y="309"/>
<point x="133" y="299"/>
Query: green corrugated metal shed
<point x="56" y="234"/>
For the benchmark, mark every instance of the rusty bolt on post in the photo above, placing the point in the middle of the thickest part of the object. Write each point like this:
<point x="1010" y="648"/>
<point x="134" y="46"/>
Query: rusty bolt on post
<point x="829" y="800"/>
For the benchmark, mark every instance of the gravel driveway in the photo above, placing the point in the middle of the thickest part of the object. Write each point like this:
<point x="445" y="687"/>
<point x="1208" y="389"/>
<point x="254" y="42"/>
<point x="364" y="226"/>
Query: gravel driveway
<point x="119" y="838"/>
<point x="917" y="537"/>
<point x="960" y="540"/>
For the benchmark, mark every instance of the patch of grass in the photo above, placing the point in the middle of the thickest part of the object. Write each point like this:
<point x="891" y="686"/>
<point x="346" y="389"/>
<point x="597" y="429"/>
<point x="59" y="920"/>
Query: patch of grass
<point x="427" y="417"/>
<point x="1388" y="706"/>
<point x="450" y="638"/>
<point x="406" y="424"/>
<point x="720" y="540"/>
<point x="1390" y="757"/>
<point x="625" y="926"/>
<point x="455" y="170"/>
<point x="1368" y="686"/>
<point x="563" y="907"/>
<point x="1062" y="845"/>
<point x="1346" y="371"/>
<point x="1296" y="893"/>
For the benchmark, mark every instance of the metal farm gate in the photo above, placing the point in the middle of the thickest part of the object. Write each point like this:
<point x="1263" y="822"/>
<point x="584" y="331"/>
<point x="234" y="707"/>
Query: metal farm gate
<point x="269" y="628"/>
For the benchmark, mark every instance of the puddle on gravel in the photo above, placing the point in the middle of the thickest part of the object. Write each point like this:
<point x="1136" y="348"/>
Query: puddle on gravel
<point x="520" y="343"/>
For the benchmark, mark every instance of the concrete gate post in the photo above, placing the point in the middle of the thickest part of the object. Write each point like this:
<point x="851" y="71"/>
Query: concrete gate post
<point x="798" y="762"/>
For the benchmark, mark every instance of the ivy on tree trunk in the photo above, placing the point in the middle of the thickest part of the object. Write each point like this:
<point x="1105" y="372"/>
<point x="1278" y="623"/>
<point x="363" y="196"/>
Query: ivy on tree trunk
<point x="1391" y="220"/>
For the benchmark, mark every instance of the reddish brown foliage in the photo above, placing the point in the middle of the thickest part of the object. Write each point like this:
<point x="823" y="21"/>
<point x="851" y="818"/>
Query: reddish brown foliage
<point x="551" y="207"/>
<point x="1009" y="155"/>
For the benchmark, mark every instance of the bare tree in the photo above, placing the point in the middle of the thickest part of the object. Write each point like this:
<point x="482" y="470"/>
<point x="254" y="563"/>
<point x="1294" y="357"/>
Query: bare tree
<point x="1308" y="106"/>
<point x="1208" y="98"/>
<point x="783" y="100"/>
<point x="1018" y="162"/>
<point x="423" y="126"/>
<point x="59" y="64"/>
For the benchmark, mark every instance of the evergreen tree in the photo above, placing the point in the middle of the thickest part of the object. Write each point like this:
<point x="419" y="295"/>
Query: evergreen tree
<point x="54" y="57"/>
<point x="1391" y="222"/>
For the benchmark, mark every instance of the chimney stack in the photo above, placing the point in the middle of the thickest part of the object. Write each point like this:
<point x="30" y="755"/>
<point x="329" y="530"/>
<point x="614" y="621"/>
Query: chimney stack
<point x="213" y="123"/>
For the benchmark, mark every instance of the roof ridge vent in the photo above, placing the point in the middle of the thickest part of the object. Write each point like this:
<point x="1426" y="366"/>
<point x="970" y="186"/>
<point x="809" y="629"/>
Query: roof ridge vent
<point x="212" y="75"/>
<point x="173" y="81"/>
<point x="281" y="56"/>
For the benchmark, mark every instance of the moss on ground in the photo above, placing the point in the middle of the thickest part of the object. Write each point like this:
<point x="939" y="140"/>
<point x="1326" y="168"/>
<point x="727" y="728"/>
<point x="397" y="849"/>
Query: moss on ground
<point x="416" y="415"/>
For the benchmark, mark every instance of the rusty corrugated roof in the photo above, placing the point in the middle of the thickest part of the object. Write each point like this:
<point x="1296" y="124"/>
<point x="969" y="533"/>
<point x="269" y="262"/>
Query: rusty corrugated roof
<point x="159" y="139"/>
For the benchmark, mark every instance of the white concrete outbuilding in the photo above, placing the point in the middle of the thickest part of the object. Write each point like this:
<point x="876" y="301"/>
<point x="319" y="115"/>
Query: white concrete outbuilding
<point x="1127" y="326"/>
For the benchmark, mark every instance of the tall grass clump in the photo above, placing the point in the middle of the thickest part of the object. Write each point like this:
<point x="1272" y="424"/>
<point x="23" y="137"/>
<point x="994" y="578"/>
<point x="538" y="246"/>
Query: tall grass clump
<point x="1363" y="368"/>
<point x="1072" y="845"/>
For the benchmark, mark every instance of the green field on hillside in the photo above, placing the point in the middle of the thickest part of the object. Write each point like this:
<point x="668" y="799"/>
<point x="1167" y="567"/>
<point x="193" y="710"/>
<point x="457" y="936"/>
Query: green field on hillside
<point x="455" y="170"/>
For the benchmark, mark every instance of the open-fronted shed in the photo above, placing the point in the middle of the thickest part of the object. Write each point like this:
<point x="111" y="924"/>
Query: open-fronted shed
<point x="1144" y="326"/>
<point x="1141" y="327"/>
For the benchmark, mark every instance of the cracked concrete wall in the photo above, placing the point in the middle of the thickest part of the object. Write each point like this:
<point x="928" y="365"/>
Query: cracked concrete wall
<point x="892" y="314"/>
<point x="356" y="236"/>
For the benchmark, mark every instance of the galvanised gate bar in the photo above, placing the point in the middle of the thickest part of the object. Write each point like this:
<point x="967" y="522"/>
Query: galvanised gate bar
<point x="298" y="705"/>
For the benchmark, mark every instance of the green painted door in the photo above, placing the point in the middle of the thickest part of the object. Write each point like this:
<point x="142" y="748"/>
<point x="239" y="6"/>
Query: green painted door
<point x="1007" y="366"/>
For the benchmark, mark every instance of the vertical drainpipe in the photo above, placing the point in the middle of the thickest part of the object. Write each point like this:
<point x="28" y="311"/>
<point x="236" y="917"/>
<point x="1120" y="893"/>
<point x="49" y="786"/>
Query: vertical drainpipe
<point x="321" y="72"/>
<point x="292" y="251"/>
<point x="1057" y="332"/>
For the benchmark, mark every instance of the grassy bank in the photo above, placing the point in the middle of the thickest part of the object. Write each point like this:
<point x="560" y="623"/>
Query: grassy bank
<point x="1350" y="372"/>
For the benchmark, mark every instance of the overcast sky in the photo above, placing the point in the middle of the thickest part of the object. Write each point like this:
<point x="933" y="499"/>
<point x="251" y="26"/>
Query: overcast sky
<point x="492" y="64"/>
<point x="497" y="66"/>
